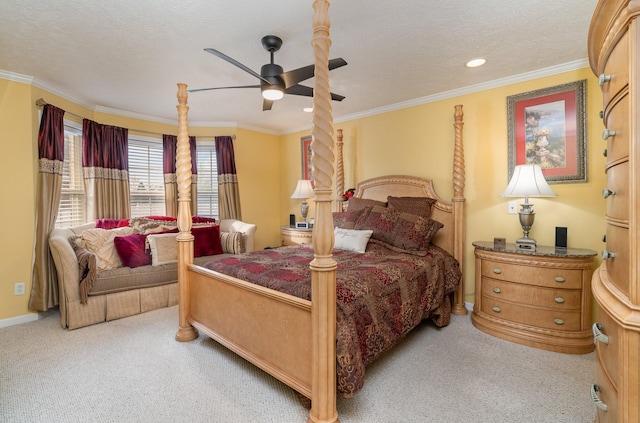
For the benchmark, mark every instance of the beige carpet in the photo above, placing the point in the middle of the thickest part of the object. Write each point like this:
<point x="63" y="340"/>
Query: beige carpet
<point x="132" y="370"/>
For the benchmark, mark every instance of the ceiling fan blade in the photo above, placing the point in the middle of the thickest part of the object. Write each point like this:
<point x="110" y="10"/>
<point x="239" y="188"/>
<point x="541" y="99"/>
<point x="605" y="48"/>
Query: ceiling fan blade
<point x="222" y="88"/>
<point x="295" y="76"/>
<point x="266" y="104"/>
<point x="236" y="63"/>
<point x="308" y="92"/>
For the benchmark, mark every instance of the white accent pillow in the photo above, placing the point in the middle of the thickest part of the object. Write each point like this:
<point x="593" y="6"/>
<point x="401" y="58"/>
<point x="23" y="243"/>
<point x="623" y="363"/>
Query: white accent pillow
<point x="351" y="239"/>
<point x="100" y="242"/>
<point x="164" y="248"/>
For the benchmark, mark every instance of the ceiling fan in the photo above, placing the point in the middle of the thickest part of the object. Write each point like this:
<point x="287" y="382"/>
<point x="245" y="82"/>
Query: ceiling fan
<point x="274" y="82"/>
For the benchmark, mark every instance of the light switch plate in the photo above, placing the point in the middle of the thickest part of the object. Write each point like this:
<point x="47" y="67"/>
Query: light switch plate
<point x="513" y="207"/>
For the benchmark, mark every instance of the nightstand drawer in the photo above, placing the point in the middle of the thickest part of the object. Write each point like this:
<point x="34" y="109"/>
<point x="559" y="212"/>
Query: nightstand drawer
<point x="607" y="345"/>
<point x="538" y="275"/>
<point x="560" y="299"/>
<point x="538" y="317"/>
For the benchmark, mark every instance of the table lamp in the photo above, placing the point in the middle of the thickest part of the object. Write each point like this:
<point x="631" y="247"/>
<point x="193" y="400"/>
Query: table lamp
<point x="303" y="190"/>
<point x="527" y="181"/>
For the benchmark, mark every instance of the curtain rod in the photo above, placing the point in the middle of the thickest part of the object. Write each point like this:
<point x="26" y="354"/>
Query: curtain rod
<point x="41" y="102"/>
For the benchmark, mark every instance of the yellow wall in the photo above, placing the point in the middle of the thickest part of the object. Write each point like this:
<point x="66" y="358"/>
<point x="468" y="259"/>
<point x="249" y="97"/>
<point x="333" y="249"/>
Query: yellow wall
<point x="415" y="141"/>
<point x="419" y="141"/>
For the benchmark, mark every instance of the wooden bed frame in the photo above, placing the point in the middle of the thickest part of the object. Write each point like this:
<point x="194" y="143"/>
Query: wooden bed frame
<point x="288" y="337"/>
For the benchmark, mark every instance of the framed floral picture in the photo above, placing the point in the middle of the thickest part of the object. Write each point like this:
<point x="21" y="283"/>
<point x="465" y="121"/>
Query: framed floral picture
<point x="548" y="127"/>
<point x="307" y="166"/>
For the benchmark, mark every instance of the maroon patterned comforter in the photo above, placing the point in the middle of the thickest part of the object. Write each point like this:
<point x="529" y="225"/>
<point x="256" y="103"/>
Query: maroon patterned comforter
<point x="381" y="295"/>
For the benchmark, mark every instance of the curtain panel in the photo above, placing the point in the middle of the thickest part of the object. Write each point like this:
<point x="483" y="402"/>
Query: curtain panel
<point x="228" y="189"/>
<point x="105" y="167"/>
<point x="169" y="148"/>
<point x="44" y="283"/>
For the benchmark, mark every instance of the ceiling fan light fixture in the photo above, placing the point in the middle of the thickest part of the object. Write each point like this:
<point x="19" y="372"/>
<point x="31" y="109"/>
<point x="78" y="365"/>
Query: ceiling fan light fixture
<point x="272" y="93"/>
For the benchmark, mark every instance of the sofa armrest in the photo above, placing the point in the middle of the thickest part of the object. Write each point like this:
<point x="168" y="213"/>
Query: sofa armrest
<point x="66" y="261"/>
<point x="248" y="230"/>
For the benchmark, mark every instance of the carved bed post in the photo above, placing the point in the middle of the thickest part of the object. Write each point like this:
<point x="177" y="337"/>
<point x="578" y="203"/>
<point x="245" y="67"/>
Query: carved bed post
<point x="186" y="332"/>
<point x="323" y="266"/>
<point x="339" y="170"/>
<point x="458" y="207"/>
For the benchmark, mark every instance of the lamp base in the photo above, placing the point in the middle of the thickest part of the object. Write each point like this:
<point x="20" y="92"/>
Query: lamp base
<point x="526" y="244"/>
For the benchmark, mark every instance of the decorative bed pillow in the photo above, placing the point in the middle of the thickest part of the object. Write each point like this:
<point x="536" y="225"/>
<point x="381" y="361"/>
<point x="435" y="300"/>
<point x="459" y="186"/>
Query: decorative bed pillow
<point x="420" y="206"/>
<point x="349" y="219"/>
<point x="206" y="241"/>
<point x="164" y="248"/>
<point x="132" y="250"/>
<point x="100" y="242"/>
<point x="351" y="239"/>
<point x="360" y="203"/>
<point x="232" y="242"/>
<point x="406" y="231"/>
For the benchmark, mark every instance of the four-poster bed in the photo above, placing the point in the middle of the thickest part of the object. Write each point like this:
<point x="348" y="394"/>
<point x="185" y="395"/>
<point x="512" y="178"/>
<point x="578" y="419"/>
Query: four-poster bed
<point x="291" y="338"/>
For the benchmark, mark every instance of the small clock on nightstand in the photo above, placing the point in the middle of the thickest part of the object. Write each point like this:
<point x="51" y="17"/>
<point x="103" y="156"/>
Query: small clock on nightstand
<point x="537" y="298"/>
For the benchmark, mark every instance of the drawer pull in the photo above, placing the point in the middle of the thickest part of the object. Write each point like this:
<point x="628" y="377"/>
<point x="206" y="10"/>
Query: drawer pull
<point x="497" y="290"/>
<point x="608" y="133"/>
<point x="558" y="321"/>
<point x="559" y="279"/>
<point x="598" y="335"/>
<point x="596" y="399"/>
<point x="601" y="114"/>
<point x="603" y="79"/>
<point x="604" y="152"/>
<point x="607" y="255"/>
<point x="496" y="309"/>
<point x="497" y="271"/>
<point x="604" y="238"/>
<point x="606" y="192"/>
<point x="559" y="300"/>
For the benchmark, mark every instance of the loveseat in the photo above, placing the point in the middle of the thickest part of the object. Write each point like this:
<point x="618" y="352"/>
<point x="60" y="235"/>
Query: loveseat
<point x="125" y="291"/>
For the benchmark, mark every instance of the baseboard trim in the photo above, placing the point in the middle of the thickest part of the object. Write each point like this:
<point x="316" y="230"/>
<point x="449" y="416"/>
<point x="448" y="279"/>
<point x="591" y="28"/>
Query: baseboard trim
<point x="18" y="320"/>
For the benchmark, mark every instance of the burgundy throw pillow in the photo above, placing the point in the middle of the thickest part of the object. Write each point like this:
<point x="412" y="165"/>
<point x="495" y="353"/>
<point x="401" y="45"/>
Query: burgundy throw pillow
<point x="206" y="241"/>
<point x="420" y="206"/>
<point x="361" y="203"/>
<point x="132" y="250"/>
<point x="349" y="219"/>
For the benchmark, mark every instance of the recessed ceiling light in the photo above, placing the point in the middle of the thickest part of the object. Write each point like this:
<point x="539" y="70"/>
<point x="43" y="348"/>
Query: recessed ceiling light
<point x="475" y="63"/>
<point x="308" y="109"/>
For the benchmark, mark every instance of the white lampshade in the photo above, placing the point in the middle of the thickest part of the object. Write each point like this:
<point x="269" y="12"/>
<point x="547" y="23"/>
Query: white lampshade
<point x="528" y="181"/>
<point x="303" y="189"/>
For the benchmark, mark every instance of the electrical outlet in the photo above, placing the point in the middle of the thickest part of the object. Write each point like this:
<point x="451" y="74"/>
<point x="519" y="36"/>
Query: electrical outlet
<point x="513" y="207"/>
<point x="18" y="288"/>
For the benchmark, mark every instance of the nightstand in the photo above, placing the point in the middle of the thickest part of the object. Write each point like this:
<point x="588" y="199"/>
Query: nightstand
<point x="537" y="298"/>
<point x="292" y="236"/>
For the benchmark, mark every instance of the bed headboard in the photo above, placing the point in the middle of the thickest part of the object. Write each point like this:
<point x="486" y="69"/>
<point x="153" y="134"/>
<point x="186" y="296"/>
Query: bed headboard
<point x="411" y="186"/>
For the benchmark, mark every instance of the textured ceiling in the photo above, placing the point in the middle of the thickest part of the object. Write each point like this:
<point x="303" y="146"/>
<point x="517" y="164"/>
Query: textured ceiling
<point x="126" y="57"/>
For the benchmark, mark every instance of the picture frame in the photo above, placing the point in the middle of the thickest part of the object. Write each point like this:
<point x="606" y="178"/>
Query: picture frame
<point x="307" y="166"/>
<point x="548" y="127"/>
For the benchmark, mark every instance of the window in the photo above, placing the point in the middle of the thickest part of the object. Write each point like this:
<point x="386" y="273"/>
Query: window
<point x="207" y="179"/>
<point x="146" y="177"/>
<point x="72" y="207"/>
